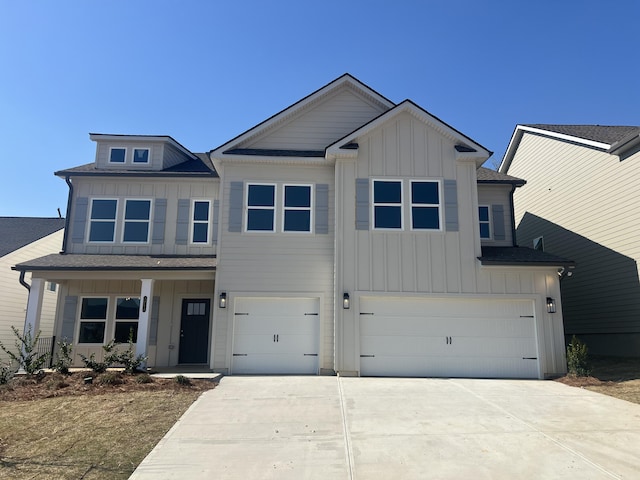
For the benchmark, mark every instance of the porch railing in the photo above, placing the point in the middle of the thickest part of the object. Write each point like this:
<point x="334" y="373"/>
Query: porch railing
<point x="46" y="346"/>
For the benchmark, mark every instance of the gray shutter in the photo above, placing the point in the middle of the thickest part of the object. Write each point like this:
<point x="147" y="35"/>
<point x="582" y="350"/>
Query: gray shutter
<point x="182" y="224"/>
<point x="322" y="208"/>
<point x="362" y="204"/>
<point x="215" y="221"/>
<point x="153" y="324"/>
<point x="451" y="205"/>
<point x="159" y="219"/>
<point x="497" y="213"/>
<point x="235" y="206"/>
<point x="80" y="219"/>
<point x="69" y="313"/>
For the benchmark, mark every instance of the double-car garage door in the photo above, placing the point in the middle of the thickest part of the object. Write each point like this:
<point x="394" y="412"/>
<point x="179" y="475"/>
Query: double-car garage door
<point x="408" y="336"/>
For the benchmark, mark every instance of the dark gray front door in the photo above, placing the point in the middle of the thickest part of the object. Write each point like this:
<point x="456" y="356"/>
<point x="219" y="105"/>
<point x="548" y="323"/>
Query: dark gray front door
<point x="194" y="331"/>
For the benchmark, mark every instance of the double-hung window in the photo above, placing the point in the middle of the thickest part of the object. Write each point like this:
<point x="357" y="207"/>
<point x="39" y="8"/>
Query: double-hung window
<point x="117" y="155"/>
<point x="200" y="221"/>
<point x="93" y="317"/>
<point x="127" y="312"/>
<point x="102" y="220"/>
<point x="136" y="221"/>
<point x="140" y="155"/>
<point x="387" y="204"/>
<point x="485" y="223"/>
<point x="297" y="208"/>
<point x="425" y="205"/>
<point x="261" y="205"/>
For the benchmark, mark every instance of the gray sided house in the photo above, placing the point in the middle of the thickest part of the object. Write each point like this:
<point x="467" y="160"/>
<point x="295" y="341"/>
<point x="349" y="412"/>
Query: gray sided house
<point x="344" y="234"/>
<point x="581" y="201"/>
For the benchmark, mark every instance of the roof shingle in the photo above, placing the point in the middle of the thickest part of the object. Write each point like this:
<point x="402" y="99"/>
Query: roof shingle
<point x="608" y="134"/>
<point x="117" y="262"/>
<point x="16" y="232"/>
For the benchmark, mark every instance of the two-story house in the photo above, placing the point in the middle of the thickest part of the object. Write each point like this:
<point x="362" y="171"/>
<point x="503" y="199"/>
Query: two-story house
<point x="344" y="234"/>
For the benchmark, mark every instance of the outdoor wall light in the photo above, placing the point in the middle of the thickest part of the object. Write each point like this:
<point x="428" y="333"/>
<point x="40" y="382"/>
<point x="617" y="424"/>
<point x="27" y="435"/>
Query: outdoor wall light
<point x="551" y="305"/>
<point x="223" y="300"/>
<point x="346" y="303"/>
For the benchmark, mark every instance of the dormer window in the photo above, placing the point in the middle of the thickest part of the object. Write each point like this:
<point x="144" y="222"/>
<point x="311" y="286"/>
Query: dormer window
<point x="117" y="155"/>
<point x="141" y="155"/>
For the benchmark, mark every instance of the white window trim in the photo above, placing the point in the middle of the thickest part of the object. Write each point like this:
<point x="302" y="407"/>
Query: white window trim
<point x="439" y="205"/>
<point x="192" y="221"/>
<point x="126" y="153"/>
<point x="374" y="205"/>
<point x="80" y="320"/>
<point x="124" y="220"/>
<point x="301" y="209"/>
<point x="133" y="156"/>
<point x="90" y="220"/>
<point x="115" y="311"/>
<point x="273" y="209"/>
<point x="480" y="222"/>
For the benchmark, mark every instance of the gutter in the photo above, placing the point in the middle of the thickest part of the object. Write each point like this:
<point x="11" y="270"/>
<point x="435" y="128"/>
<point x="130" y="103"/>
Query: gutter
<point x="22" y="281"/>
<point x="67" y="216"/>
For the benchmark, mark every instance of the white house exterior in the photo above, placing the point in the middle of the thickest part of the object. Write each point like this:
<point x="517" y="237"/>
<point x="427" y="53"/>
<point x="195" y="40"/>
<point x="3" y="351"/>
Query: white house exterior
<point x="346" y="234"/>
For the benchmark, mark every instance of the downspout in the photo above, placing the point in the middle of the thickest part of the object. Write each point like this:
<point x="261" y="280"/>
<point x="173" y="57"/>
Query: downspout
<point x="66" y="217"/>
<point x="513" y="216"/>
<point x="22" y="281"/>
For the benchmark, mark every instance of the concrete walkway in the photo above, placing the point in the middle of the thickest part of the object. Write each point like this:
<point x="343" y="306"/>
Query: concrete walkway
<point x="378" y="428"/>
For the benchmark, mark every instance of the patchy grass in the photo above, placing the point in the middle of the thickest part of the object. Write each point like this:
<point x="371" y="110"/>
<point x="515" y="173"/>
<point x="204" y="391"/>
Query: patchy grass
<point x="88" y="431"/>
<point x="614" y="376"/>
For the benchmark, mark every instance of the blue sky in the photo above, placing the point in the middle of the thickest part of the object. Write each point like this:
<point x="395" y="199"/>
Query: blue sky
<point x="205" y="71"/>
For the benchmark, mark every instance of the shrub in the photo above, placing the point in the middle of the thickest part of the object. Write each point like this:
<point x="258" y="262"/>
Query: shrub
<point x="109" y="358"/>
<point x="144" y="378"/>
<point x="27" y="357"/>
<point x="110" y="378"/>
<point x="128" y="358"/>
<point x="6" y="373"/>
<point x="63" y="358"/>
<point x="182" y="380"/>
<point x="577" y="358"/>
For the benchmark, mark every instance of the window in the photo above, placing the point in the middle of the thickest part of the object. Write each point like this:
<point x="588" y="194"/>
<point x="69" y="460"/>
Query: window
<point x="127" y="311"/>
<point x="140" y="155"/>
<point x="538" y="244"/>
<point x="103" y="220"/>
<point x="485" y="224"/>
<point x="51" y="286"/>
<point x="117" y="155"/>
<point x="387" y="204"/>
<point x="194" y="308"/>
<point x="297" y="208"/>
<point x="136" y="221"/>
<point x="93" y="316"/>
<point x="425" y="205"/>
<point x="261" y="203"/>
<point x="200" y="221"/>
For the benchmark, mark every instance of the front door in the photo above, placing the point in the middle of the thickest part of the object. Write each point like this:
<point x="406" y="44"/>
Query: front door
<point x="194" y="331"/>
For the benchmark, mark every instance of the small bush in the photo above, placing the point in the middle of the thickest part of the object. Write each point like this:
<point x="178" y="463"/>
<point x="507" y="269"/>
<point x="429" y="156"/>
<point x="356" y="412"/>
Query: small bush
<point x="63" y="358"/>
<point x="109" y="358"/>
<point x="128" y="358"/>
<point x="27" y="357"/>
<point x="144" y="378"/>
<point x="6" y="373"/>
<point x="182" y="380"/>
<point x="110" y="378"/>
<point x="577" y="358"/>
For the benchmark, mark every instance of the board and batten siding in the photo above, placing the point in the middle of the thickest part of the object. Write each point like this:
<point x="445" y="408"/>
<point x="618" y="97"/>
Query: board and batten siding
<point x="164" y="242"/>
<point x="276" y="264"/>
<point x="584" y="203"/>
<point x="321" y="125"/>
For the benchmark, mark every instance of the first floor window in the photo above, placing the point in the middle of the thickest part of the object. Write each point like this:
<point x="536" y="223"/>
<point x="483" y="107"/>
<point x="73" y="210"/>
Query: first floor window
<point x="261" y="204"/>
<point x="127" y="312"/>
<point x="200" y="225"/>
<point x="297" y="208"/>
<point x="425" y="205"/>
<point x="387" y="204"/>
<point x="485" y="225"/>
<point x="93" y="317"/>
<point x="136" y="221"/>
<point x="103" y="220"/>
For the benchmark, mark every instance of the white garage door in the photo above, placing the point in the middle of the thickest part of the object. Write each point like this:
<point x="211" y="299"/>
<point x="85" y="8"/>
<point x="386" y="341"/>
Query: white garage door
<point x="275" y="336"/>
<point x="484" y="338"/>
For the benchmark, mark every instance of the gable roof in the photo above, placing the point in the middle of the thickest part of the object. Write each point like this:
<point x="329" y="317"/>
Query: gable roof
<point x="607" y="138"/>
<point x="486" y="175"/>
<point x="18" y="232"/>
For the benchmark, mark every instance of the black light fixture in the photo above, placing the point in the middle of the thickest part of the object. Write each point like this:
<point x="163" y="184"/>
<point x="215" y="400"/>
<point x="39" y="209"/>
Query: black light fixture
<point x="551" y="305"/>
<point x="223" y="300"/>
<point x="346" y="303"/>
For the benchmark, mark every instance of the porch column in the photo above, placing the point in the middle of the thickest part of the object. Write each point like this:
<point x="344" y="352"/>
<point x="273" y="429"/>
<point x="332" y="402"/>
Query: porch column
<point x="144" y="318"/>
<point x="34" y="306"/>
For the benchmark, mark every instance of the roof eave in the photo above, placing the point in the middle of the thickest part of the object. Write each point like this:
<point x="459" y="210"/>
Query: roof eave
<point x="140" y="138"/>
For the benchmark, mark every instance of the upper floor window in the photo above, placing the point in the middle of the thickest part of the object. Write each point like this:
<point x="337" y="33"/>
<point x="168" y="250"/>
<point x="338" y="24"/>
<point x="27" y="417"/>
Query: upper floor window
<point x="425" y="205"/>
<point x="387" y="204"/>
<point x="485" y="224"/>
<point x="297" y="208"/>
<point x="103" y="220"/>
<point x="117" y="155"/>
<point x="140" y="155"/>
<point x="136" y="221"/>
<point x="538" y="243"/>
<point x="93" y="317"/>
<point x="127" y="312"/>
<point x="261" y="204"/>
<point x="200" y="221"/>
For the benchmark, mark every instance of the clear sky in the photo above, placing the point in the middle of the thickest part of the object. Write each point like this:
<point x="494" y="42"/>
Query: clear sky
<point x="205" y="71"/>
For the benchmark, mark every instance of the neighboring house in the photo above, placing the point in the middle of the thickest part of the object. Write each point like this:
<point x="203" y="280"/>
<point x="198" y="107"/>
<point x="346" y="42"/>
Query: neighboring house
<point x="581" y="201"/>
<point x="344" y="234"/>
<point x="21" y="239"/>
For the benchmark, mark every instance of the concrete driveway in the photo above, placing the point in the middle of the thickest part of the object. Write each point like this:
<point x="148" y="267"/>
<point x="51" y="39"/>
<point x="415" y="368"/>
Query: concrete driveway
<point x="386" y="428"/>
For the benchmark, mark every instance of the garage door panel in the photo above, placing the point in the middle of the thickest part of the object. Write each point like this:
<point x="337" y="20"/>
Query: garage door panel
<point x="289" y="364"/>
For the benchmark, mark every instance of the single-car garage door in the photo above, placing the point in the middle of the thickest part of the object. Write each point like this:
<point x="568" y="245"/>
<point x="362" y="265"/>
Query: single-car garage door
<point x="490" y="338"/>
<point x="275" y="336"/>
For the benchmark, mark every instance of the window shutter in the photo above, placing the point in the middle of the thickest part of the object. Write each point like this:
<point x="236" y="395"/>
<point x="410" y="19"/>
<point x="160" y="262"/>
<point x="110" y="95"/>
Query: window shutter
<point x="235" y="206"/>
<point x="497" y="212"/>
<point x="322" y="208"/>
<point x="451" y="205"/>
<point x="159" y="219"/>
<point x="69" y="318"/>
<point x="215" y="221"/>
<point x="153" y="324"/>
<point x="362" y="204"/>
<point x="80" y="219"/>
<point x="182" y="224"/>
